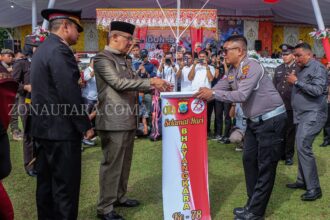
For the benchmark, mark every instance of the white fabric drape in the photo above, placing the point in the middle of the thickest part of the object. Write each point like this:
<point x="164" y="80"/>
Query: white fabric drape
<point x="291" y="35"/>
<point x="90" y="37"/>
<point x="251" y="29"/>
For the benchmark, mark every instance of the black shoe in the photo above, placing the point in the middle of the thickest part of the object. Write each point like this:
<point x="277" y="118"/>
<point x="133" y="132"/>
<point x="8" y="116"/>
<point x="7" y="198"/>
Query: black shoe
<point x="224" y="140"/>
<point x="289" y="162"/>
<point x="31" y="173"/>
<point x="246" y="215"/>
<point x="311" y="195"/>
<point x="239" y="210"/>
<point x="128" y="203"/>
<point x="110" y="216"/>
<point x="217" y="138"/>
<point x="296" y="185"/>
<point x="325" y="143"/>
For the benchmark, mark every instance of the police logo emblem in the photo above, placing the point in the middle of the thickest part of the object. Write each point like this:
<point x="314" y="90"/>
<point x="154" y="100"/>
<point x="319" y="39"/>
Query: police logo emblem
<point x="183" y="107"/>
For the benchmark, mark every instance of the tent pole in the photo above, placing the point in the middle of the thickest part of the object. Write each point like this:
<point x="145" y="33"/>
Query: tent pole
<point x="321" y="26"/>
<point x="193" y="19"/>
<point x="166" y="19"/>
<point x="45" y="23"/>
<point x="318" y="14"/>
<point x="34" y="15"/>
<point x="178" y="23"/>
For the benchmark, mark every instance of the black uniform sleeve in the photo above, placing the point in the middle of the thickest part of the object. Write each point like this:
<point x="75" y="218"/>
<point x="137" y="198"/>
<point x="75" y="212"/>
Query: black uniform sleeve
<point x="316" y="85"/>
<point x="65" y="74"/>
<point x="18" y="76"/>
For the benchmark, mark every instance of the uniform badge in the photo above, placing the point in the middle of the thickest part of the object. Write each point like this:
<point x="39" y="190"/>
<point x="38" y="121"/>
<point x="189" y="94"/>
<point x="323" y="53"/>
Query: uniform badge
<point x="183" y="107"/>
<point x="231" y="77"/>
<point x="245" y="69"/>
<point x="242" y="77"/>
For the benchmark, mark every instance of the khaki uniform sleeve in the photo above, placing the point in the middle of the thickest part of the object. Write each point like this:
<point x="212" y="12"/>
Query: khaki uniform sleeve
<point x="107" y="70"/>
<point x="222" y="84"/>
<point x="248" y="79"/>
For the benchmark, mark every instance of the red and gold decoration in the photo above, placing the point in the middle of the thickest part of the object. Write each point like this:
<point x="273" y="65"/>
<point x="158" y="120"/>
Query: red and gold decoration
<point x="271" y="1"/>
<point x="265" y="35"/>
<point x="153" y="17"/>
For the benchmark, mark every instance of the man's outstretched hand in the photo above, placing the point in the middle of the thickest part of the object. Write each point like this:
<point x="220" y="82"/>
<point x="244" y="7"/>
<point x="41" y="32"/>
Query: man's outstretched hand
<point x="204" y="93"/>
<point x="161" y="85"/>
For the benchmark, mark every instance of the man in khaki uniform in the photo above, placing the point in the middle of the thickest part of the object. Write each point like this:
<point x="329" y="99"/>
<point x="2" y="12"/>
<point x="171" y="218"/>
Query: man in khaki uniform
<point x="248" y="83"/>
<point x="116" y="119"/>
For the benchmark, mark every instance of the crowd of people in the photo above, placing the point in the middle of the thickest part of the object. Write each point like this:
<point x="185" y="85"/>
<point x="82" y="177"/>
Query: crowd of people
<point x="116" y="98"/>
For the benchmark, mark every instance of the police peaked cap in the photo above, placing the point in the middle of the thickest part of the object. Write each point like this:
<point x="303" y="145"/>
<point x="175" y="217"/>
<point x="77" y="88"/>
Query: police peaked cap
<point x="72" y="15"/>
<point x="286" y="48"/>
<point x="122" y="26"/>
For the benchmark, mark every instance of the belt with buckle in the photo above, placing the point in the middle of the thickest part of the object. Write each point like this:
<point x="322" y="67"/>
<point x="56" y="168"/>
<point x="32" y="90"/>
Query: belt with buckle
<point x="277" y="111"/>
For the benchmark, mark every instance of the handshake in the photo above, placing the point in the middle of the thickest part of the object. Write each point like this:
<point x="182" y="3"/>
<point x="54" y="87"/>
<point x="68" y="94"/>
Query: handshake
<point x="161" y="85"/>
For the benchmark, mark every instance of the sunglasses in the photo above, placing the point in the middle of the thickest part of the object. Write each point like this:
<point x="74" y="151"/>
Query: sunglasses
<point x="225" y="50"/>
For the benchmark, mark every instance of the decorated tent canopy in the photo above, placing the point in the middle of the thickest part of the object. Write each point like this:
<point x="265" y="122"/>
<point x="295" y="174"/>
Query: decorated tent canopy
<point x="284" y="11"/>
<point x="153" y="17"/>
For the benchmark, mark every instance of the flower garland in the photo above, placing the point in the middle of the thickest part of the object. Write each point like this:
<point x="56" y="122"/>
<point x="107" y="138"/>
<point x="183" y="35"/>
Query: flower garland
<point x="253" y="54"/>
<point x="320" y="34"/>
<point x="39" y="34"/>
<point x="266" y="62"/>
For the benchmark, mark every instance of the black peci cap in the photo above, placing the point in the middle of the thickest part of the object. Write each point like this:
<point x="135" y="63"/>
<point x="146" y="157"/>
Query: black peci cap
<point x="122" y="26"/>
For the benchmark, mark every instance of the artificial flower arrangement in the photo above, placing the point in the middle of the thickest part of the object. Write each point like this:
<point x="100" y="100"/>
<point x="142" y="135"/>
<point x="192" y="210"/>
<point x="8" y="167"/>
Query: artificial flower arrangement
<point x="320" y="34"/>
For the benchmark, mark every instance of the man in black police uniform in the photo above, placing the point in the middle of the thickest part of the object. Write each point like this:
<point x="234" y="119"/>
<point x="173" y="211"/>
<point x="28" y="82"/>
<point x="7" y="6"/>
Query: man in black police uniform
<point x="58" y="121"/>
<point x="285" y="90"/>
<point x="309" y="103"/>
<point x="248" y="83"/>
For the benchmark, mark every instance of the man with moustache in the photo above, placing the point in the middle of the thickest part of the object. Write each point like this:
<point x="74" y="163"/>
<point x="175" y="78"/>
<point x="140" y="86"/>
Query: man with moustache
<point x="116" y="122"/>
<point x="58" y="121"/>
<point x="309" y="103"/>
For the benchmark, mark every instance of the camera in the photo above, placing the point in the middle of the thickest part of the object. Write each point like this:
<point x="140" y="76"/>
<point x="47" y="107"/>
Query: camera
<point x="201" y="61"/>
<point x="143" y="54"/>
<point x="185" y="61"/>
<point x="168" y="61"/>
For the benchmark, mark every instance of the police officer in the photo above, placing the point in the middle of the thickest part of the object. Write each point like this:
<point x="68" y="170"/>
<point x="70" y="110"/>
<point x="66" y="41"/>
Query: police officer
<point x="285" y="90"/>
<point x="248" y="83"/>
<point x="21" y="69"/>
<point x="58" y="119"/>
<point x="309" y="103"/>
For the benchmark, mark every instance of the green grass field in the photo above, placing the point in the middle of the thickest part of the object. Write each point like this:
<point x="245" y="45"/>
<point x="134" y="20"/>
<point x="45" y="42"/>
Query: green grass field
<point x="226" y="179"/>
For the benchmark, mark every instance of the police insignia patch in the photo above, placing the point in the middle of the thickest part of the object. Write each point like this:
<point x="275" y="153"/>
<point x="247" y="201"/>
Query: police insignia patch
<point x="245" y="69"/>
<point x="183" y="107"/>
